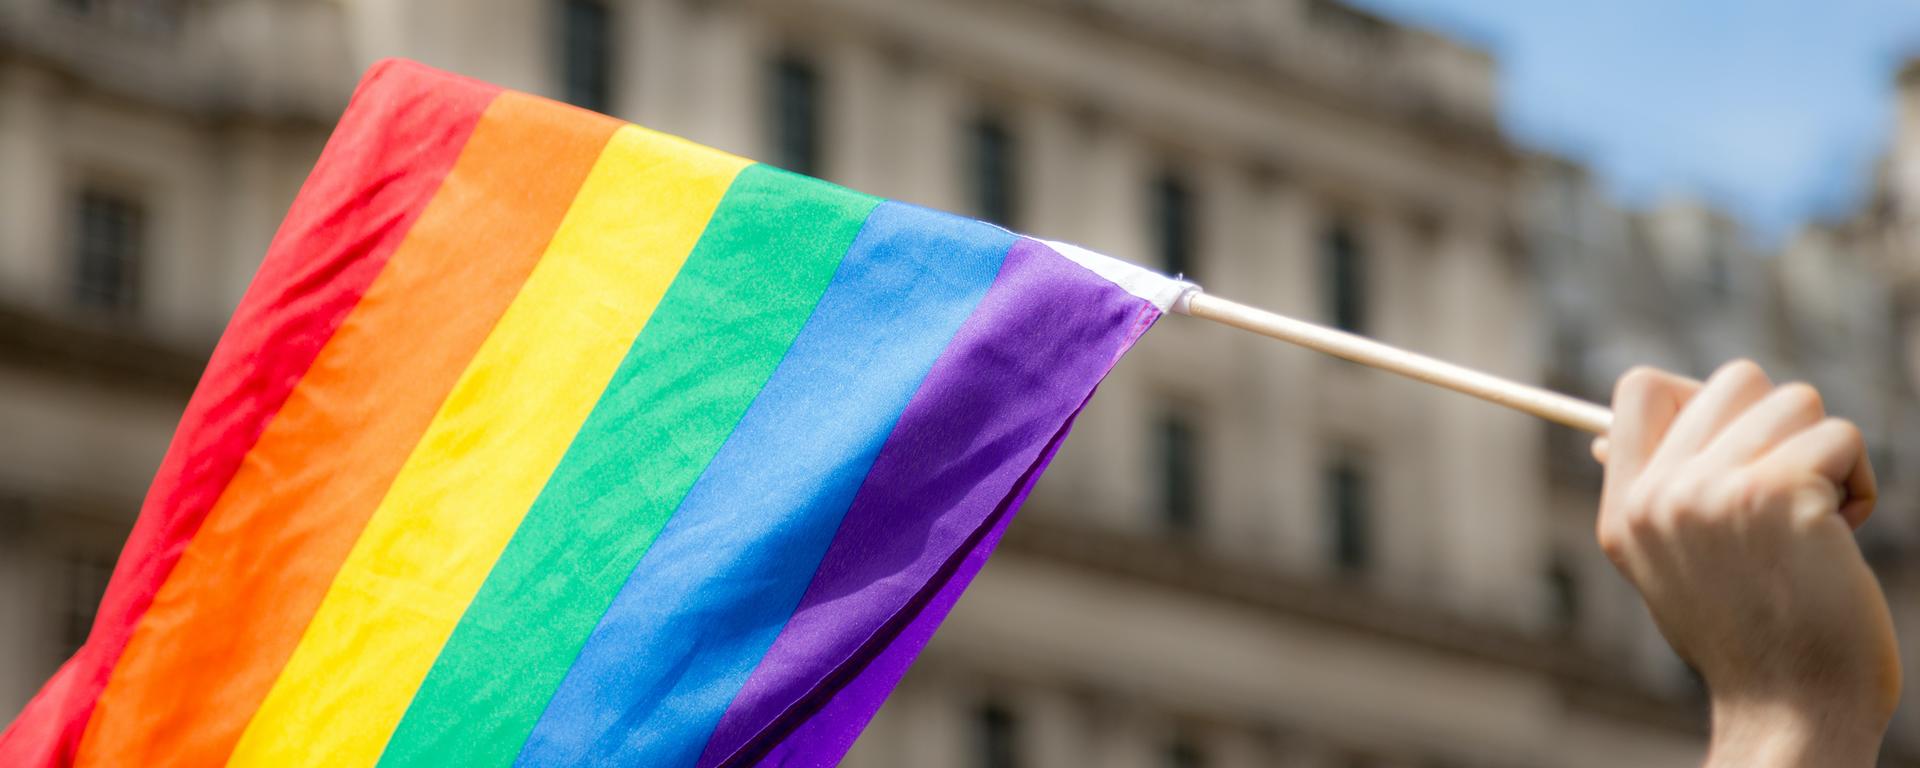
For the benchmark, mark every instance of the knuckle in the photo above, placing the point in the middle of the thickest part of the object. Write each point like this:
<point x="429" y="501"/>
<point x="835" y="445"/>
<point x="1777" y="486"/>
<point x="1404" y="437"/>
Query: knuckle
<point x="1846" y="430"/>
<point x="1657" y="510"/>
<point x="1638" y="381"/>
<point x="1690" y="498"/>
<point x="1639" y="502"/>
<point x="1802" y="398"/>
<point x="1613" y="543"/>
<point x="1741" y="369"/>
<point x="1744" y="367"/>
<point x="1681" y="504"/>
<point x="1739" y="492"/>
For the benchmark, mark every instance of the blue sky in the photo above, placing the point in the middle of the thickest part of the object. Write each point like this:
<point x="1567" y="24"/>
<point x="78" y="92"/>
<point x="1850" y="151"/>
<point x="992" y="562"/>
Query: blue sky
<point x="1775" y="109"/>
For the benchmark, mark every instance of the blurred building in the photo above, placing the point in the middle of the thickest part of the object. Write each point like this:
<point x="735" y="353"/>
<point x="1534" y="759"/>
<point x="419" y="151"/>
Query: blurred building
<point x="1682" y="287"/>
<point x="1247" y="555"/>
<point x="1853" y="289"/>
<point x="147" y="151"/>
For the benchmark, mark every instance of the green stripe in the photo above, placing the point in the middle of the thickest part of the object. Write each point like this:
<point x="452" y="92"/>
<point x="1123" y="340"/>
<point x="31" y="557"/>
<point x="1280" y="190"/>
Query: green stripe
<point x="745" y="291"/>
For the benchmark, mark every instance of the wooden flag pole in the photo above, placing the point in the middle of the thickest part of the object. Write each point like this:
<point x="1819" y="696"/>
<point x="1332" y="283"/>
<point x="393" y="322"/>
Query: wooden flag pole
<point x="1552" y="406"/>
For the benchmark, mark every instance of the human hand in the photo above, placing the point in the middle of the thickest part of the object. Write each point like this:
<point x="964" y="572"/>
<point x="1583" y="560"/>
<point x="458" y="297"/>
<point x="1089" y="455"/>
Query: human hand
<point x="1729" y="505"/>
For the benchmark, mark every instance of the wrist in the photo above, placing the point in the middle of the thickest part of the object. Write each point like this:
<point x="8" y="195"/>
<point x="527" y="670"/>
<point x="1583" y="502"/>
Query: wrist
<point x="1772" y="733"/>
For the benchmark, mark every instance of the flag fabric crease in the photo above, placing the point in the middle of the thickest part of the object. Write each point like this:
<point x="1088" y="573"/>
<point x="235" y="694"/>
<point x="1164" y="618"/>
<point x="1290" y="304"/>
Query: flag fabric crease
<point x="545" y="439"/>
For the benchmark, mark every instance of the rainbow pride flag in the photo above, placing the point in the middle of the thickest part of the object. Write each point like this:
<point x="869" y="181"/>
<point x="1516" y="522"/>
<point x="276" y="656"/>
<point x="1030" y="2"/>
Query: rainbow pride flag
<point x="544" y="439"/>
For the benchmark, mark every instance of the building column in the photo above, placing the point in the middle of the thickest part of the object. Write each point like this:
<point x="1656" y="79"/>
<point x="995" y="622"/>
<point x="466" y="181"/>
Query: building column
<point x="1253" y="456"/>
<point x="1282" y="273"/>
<point x="1399" y="267"/>
<point x="251" y="205"/>
<point x="725" y="80"/>
<point x="186" y="230"/>
<point x="1486" y="458"/>
<point x="1052" y="185"/>
<point x="32" y="189"/>
<point x="648" y="63"/>
<point x="858" y="146"/>
<point x="24" y="591"/>
<point x="1108" y="458"/>
<point x="929" y="111"/>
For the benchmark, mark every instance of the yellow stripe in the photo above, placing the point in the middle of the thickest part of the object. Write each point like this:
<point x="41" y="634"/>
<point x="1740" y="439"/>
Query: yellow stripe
<point x="503" y="428"/>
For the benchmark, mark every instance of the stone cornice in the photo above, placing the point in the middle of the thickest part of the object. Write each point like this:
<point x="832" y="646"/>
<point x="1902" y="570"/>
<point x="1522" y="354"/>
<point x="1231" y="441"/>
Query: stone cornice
<point x="1353" y="60"/>
<point x="1133" y="559"/>
<point x="97" y="353"/>
<point x="187" y="72"/>
<point x="1586" y="683"/>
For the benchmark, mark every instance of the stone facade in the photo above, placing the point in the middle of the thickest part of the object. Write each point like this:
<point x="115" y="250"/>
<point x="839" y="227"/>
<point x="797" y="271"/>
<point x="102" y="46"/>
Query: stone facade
<point x="1247" y="554"/>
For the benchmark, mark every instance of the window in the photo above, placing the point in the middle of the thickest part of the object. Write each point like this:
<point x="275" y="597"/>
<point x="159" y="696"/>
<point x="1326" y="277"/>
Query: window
<point x="991" y="170"/>
<point x="1348" y="513"/>
<point x="1344" y="277"/>
<point x="1563" y="589"/>
<point x="1178" y="448"/>
<point x="86" y="582"/>
<point x="999" y="737"/>
<point x="1173" y="217"/>
<point x="1719" y="273"/>
<point x="796" y="115"/>
<point x="107" y="245"/>
<point x="1183" y="753"/>
<point x="586" y="54"/>
<point x="146" y="17"/>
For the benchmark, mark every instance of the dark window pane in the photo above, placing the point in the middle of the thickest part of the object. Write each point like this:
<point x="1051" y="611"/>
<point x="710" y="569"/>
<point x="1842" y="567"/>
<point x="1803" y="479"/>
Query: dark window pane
<point x="586" y="54"/>
<point x="1173" y="216"/>
<point x="1179" y="449"/>
<point x="991" y="168"/>
<point x="1185" y="754"/>
<point x="1344" y="275"/>
<point x="152" y="16"/>
<point x="86" y="582"/>
<point x="999" y="737"/>
<point x="107" y="244"/>
<point x="796" y="116"/>
<point x="147" y="17"/>
<point x="1348" y="514"/>
<point x="1564" y="590"/>
<point x="1720" y="273"/>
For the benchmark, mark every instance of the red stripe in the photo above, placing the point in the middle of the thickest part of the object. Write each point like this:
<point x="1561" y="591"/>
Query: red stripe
<point x="386" y="159"/>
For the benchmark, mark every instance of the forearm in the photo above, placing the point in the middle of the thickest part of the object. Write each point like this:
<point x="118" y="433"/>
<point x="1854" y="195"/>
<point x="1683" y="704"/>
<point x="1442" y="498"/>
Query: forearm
<point x="1830" y="735"/>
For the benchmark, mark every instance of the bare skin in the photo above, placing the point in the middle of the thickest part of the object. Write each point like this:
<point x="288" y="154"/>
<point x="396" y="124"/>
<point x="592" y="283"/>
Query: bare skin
<point x="1730" y="506"/>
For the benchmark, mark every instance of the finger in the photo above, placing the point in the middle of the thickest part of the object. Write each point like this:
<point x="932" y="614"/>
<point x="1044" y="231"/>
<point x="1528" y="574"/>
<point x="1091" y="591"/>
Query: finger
<point x="1832" y="449"/>
<point x="1779" y="415"/>
<point x="1600" y="449"/>
<point x="1862" y="487"/>
<point x="1729" y="392"/>
<point x="1645" y="402"/>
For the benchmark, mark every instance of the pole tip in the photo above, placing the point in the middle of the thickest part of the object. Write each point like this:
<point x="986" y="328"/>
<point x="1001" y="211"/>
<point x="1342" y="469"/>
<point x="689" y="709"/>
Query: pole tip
<point x="1183" y="303"/>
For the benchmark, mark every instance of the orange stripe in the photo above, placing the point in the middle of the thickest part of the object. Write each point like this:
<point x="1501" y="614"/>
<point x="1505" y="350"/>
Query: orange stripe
<point x="234" y="609"/>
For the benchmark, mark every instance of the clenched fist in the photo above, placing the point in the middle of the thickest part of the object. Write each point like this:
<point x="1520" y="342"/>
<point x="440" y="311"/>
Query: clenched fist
<point x="1730" y="506"/>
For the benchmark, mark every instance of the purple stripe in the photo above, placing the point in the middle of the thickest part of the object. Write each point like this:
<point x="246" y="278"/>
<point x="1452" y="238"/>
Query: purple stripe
<point x="823" y="737"/>
<point x="969" y="444"/>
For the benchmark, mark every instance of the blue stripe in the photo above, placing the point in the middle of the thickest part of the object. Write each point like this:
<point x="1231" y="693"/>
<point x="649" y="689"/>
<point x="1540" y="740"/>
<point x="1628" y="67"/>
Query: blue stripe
<point x="705" y="603"/>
